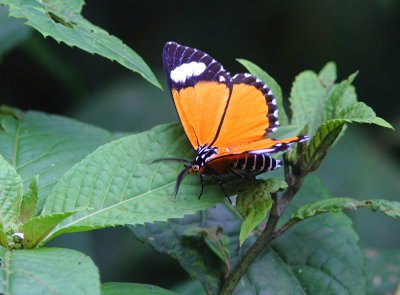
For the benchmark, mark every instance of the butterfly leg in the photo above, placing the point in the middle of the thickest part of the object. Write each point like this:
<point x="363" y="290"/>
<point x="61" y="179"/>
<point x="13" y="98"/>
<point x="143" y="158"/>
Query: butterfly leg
<point x="220" y="185"/>
<point x="202" y="185"/>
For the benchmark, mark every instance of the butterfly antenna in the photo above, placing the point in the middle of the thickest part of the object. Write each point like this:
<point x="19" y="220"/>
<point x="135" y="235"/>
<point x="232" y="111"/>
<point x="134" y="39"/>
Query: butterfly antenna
<point x="171" y="160"/>
<point x="179" y="179"/>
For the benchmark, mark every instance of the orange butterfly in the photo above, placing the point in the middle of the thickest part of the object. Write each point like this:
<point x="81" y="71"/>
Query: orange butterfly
<point x="226" y="119"/>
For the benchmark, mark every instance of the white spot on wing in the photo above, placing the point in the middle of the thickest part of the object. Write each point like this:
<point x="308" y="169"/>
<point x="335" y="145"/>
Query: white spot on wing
<point x="247" y="75"/>
<point x="221" y="79"/>
<point x="187" y="70"/>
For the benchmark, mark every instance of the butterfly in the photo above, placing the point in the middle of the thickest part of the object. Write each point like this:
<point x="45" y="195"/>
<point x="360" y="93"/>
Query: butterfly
<point x="226" y="118"/>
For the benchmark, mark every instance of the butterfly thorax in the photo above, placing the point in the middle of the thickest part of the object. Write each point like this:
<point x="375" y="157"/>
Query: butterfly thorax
<point x="204" y="154"/>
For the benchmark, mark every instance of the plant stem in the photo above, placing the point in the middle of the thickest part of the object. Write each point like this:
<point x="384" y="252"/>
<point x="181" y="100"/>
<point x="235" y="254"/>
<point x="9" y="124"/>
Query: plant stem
<point x="269" y="233"/>
<point x="265" y="237"/>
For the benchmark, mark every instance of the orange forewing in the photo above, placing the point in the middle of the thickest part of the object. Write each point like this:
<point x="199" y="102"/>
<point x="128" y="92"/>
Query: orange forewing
<point x="245" y="119"/>
<point x="200" y="109"/>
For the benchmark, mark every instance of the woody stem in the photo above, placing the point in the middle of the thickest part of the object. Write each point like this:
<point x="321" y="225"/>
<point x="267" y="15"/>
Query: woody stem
<point x="269" y="233"/>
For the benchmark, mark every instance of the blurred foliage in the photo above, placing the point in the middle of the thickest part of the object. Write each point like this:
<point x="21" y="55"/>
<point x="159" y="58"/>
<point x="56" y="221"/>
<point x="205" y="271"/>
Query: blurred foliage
<point x="283" y="38"/>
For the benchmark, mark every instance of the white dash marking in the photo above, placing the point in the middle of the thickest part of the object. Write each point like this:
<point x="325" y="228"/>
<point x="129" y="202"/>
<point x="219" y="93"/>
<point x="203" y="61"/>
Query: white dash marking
<point x="187" y="70"/>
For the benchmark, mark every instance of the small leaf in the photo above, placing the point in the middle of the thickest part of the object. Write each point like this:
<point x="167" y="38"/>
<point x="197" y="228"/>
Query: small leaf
<point x="112" y="288"/>
<point x="315" y="152"/>
<point x="29" y="201"/>
<point x="36" y="228"/>
<point x="62" y="20"/>
<point x="361" y="113"/>
<point x="48" y="271"/>
<point x="328" y="75"/>
<point x="338" y="98"/>
<point x="389" y="208"/>
<point x="254" y="204"/>
<point x="271" y="83"/>
<point x="307" y="100"/>
<point x="214" y="238"/>
<point x="10" y="194"/>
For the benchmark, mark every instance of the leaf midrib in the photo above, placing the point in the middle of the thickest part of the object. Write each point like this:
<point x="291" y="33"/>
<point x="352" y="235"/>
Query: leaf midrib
<point x="74" y="222"/>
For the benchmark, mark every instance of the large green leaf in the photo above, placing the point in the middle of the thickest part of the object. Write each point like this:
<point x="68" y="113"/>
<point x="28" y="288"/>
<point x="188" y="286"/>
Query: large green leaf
<point x="114" y="288"/>
<point x="63" y="21"/>
<point x="12" y="32"/>
<point x="272" y="84"/>
<point x="47" y="271"/>
<point x="317" y="256"/>
<point x="36" y="143"/>
<point x="10" y="193"/>
<point x="121" y="185"/>
<point x="383" y="271"/>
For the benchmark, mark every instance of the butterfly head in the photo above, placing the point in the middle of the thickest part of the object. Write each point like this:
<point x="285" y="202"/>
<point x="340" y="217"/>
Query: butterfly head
<point x="195" y="168"/>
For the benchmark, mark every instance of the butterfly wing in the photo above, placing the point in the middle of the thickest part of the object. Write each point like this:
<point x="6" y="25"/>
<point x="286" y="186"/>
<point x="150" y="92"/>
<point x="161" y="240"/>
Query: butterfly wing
<point x="251" y="115"/>
<point x="200" y="88"/>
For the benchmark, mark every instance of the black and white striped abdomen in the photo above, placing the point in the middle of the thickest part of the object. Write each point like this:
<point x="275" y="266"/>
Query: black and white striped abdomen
<point x="256" y="163"/>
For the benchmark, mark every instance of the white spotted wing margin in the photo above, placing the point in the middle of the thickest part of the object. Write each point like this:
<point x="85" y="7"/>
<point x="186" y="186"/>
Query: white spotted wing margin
<point x="185" y="66"/>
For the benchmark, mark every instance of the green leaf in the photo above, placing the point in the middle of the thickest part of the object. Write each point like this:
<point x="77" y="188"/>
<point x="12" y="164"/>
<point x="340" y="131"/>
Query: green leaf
<point x="37" y="228"/>
<point x="330" y="131"/>
<point x="287" y="131"/>
<point x="37" y="143"/>
<point x="307" y="99"/>
<point x="123" y="185"/>
<point x="315" y="152"/>
<point x="315" y="100"/>
<point x="317" y="256"/>
<point x="10" y="194"/>
<point x="12" y="32"/>
<point x="192" y="287"/>
<point x="383" y="271"/>
<point x="389" y="208"/>
<point x="62" y="20"/>
<point x="47" y="271"/>
<point x="327" y="75"/>
<point x="196" y="258"/>
<point x="112" y="288"/>
<point x="272" y="84"/>
<point x="29" y="201"/>
<point x="361" y="113"/>
<point x="254" y="204"/>
<point x="214" y="238"/>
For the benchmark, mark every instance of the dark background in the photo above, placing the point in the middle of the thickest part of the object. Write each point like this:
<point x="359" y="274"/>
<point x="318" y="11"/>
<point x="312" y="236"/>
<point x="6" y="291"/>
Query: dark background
<point x="282" y="37"/>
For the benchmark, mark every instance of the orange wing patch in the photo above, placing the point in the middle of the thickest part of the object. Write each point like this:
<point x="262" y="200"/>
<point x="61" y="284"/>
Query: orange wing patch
<point x="200" y="109"/>
<point x="246" y="117"/>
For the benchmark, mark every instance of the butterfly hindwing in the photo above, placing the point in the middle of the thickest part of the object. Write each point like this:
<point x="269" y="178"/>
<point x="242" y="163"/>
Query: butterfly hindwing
<point x="200" y="88"/>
